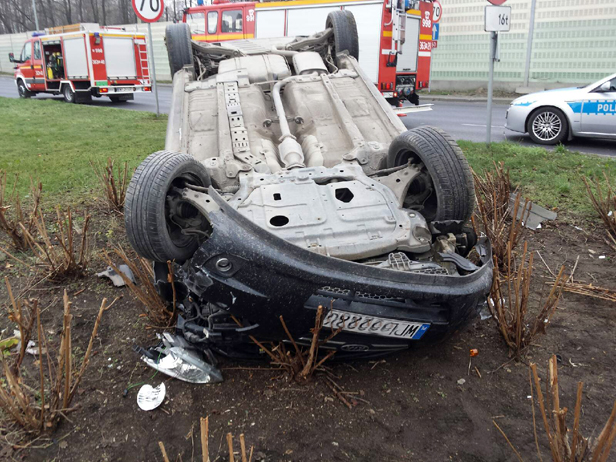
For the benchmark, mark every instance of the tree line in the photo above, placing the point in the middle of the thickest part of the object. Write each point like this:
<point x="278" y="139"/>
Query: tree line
<point x="17" y="15"/>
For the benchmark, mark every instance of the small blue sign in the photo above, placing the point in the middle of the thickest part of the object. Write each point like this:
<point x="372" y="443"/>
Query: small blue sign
<point x="435" y="30"/>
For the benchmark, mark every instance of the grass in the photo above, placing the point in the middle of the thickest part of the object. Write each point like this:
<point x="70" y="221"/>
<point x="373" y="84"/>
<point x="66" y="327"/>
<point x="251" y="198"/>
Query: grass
<point x="55" y="141"/>
<point x="552" y="179"/>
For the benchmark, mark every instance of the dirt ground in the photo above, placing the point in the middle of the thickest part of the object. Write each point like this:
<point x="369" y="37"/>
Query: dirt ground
<point x="425" y="404"/>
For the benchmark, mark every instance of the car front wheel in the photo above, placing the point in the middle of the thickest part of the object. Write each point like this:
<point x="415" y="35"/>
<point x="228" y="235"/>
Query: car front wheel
<point x="23" y="91"/>
<point x="547" y="126"/>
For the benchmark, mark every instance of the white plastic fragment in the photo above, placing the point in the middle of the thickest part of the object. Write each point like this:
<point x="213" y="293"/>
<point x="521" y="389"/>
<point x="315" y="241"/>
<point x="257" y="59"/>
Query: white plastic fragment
<point x="601" y="257"/>
<point x="150" y="398"/>
<point x="461" y="382"/>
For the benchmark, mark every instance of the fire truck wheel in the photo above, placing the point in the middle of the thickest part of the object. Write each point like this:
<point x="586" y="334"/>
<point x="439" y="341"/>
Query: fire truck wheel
<point x="160" y="225"/>
<point x="23" y="91"/>
<point x="345" y="33"/>
<point x="445" y="190"/>
<point x="179" y="47"/>
<point x="68" y="93"/>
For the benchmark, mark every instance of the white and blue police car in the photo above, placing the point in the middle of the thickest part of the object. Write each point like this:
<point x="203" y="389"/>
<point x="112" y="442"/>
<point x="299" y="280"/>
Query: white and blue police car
<point x="551" y="117"/>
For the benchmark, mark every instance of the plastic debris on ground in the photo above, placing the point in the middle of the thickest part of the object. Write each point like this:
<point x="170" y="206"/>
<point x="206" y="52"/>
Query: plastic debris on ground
<point x="117" y="280"/>
<point x="484" y="313"/>
<point x="150" y="398"/>
<point x="176" y="358"/>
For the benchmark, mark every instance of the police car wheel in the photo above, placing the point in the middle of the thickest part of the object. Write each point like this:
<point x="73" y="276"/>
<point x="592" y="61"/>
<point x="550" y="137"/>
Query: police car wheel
<point x="23" y="91"/>
<point x="547" y="126"/>
<point x="68" y="93"/>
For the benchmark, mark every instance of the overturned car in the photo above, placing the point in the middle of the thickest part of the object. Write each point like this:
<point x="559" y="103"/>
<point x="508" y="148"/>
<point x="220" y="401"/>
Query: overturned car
<point x="288" y="182"/>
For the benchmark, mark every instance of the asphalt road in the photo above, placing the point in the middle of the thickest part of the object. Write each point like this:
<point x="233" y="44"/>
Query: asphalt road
<point x="463" y="120"/>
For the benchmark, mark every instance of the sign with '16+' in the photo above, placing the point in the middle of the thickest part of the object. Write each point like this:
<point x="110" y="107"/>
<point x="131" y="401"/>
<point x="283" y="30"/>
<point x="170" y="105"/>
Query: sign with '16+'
<point x="497" y="19"/>
<point x="148" y="10"/>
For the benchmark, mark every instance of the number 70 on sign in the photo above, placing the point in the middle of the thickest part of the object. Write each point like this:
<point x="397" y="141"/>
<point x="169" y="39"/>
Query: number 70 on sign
<point x="149" y="10"/>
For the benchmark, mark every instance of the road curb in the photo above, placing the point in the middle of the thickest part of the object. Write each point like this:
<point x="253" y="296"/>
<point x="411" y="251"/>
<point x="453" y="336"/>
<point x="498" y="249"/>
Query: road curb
<point x="463" y="99"/>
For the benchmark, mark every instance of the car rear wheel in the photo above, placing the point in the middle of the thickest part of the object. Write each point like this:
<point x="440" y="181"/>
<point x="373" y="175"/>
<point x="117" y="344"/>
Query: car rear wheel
<point x="179" y="46"/>
<point x="160" y="225"/>
<point x="68" y="94"/>
<point x="23" y="91"/>
<point x="547" y="126"/>
<point x="345" y="39"/>
<point x="445" y="189"/>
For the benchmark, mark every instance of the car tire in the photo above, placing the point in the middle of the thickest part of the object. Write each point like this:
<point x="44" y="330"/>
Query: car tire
<point x="68" y="94"/>
<point x="149" y="228"/>
<point x="547" y="125"/>
<point x="179" y="46"/>
<point x="345" y="39"/>
<point x="445" y="190"/>
<point x="22" y="90"/>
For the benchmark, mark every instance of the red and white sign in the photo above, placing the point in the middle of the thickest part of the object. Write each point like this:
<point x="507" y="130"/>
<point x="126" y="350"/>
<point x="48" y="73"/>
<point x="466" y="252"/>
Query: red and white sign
<point x="149" y="10"/>
<point x="437" y="11"/>
<point x="497" y="2"/>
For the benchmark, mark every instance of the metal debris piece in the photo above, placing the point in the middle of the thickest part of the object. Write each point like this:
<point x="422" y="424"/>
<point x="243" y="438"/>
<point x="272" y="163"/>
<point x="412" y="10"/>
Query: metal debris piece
<point x="117" y="280"/>
<point x="536" y="216"/>
<point x="150" y="398"/>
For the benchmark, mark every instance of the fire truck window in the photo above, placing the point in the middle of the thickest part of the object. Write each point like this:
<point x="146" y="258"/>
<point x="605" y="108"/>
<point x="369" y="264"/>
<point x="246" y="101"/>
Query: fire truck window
<point x="232" y="21"/>
<point x="37" y="50"/>
<point x="212" y="22"/>
<point x="196" y="21"/>
<point x="26" y="53"/>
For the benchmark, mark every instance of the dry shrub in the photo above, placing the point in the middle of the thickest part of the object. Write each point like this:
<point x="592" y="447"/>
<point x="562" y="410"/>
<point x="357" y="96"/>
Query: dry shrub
<point x="114" y="183"/>
<point x="156" y="309"/>
<point x="12" y="216"/>
<point x="205" y="452"/>
<point x="566" y="445"/>
<point x="36" y="411"/>
<point x="604" y="202"/>
<point x="68" y="253"/>
<point x="500" y="220"/>
<point x="509" y="299"/>
<point x="298" y="363"/>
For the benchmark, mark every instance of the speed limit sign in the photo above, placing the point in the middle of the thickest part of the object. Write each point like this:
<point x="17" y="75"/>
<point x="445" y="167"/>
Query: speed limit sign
<point x="437" y="11"/>
<point x="148" y="10"/>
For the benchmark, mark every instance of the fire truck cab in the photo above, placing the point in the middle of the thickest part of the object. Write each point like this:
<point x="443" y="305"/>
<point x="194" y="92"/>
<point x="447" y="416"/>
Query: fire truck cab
<point x="81" y="61"/>
<point x="395" y="36"/>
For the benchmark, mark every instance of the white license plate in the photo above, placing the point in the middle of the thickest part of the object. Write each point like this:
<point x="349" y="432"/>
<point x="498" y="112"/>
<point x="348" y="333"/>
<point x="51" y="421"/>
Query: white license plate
<point x="388" y="94"/>
<point x="373" y="325"/>
<point x="124" y="89"/>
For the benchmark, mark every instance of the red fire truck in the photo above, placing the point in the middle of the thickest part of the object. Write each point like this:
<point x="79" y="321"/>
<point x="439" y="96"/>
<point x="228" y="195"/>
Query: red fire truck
<point x="83" y="60"/>
<point x="395" y="36"/>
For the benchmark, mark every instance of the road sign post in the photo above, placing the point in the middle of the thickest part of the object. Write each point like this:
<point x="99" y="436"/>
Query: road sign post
<point x="150" y="11"/>
<point x="496" y="19"/>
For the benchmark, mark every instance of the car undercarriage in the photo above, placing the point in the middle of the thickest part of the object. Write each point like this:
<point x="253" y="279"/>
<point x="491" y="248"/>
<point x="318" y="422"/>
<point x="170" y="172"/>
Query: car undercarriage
<point x="287" y="183"/>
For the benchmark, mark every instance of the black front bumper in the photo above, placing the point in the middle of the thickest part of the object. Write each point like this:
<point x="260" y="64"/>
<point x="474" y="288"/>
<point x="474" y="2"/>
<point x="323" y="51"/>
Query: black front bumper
<point x="244" y="273"/>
